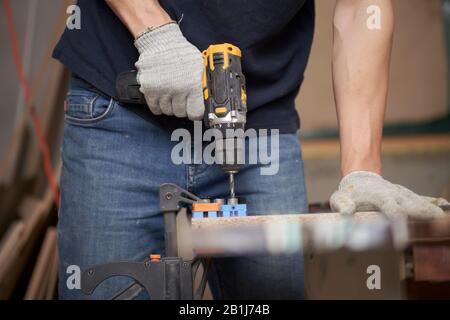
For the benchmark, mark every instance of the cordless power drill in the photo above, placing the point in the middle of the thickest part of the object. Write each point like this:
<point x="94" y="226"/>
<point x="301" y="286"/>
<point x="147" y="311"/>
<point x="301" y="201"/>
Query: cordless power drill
<point x="225" y="98"/>
<point x="226" y="106"/>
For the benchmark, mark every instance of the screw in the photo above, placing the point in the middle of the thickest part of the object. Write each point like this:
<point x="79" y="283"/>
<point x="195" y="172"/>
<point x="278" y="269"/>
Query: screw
<point x="90" y="272"/>
<point x="168" y="196"/>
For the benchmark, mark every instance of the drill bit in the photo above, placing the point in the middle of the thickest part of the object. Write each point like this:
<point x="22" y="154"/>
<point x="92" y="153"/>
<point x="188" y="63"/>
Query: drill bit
<point x="232" y="194"/>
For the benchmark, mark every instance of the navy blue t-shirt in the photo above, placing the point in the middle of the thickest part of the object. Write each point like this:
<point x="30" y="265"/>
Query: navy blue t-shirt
<point x="275" y="38"/>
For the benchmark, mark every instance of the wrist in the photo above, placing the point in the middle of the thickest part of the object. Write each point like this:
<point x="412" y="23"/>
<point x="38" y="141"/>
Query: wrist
<point x="151" y="29"/>
<point x="148" y="17"/>
<point x="369" y="165"/>
<point x="138" y="15"/>
<point x="350" y="177"/>
<point x="149" y="20"/>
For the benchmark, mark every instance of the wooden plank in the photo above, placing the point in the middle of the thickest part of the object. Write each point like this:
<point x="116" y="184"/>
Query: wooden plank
<point x="37" y="288"/>
<point x="27" y="206"/>
<point x="401" y="145"/>
<point x="10" y="198"/>
<point x="14" y="262"/>
<point x="419" y="229"/>
<point x="16" y="259"/>
<point x="257" y="220"/>
<point x="51" y="291"/>
<point x="9" y="242"/>
<point x="276" y="234"/>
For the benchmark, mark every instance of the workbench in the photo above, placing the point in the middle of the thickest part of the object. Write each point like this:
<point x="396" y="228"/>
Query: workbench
<point x="413" y="256"/>
<point x="360" y="256"/>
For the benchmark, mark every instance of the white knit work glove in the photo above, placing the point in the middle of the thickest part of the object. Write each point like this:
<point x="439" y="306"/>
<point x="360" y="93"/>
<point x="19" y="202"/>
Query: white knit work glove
<point x="368" y="191"/>
<point x="170" y="73"/>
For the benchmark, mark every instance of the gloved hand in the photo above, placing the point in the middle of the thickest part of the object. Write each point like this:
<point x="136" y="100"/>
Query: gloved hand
<point x="170" y="73"/>
<point x="368" y="191"/>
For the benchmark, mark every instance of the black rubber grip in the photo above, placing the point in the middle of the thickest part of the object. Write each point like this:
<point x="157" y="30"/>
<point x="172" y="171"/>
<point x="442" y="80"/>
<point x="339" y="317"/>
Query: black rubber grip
<point x="127" y="88"/>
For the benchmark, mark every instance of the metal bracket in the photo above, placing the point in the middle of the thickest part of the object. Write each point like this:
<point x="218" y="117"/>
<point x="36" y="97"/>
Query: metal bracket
<point x="172" y="197"/>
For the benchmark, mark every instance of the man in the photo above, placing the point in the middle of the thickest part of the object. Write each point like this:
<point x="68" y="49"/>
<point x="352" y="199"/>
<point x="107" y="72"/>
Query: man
<point x="115" y="156"/>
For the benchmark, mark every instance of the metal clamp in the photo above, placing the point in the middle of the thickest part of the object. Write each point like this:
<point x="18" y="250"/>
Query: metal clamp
<point x="169" y="278"/>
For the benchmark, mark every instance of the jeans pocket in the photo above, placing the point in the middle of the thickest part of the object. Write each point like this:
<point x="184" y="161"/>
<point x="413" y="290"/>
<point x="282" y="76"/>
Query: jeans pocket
<point x="84" y="107"/>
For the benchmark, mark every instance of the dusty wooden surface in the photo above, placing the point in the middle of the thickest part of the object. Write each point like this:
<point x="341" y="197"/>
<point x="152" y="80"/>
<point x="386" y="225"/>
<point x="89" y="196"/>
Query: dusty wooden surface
<point x="254" y="220"/>
<point x="419" y="230"/>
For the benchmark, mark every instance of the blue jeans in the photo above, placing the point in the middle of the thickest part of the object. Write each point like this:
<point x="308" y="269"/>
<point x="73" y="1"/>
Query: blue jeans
<point x="113" y="164"/>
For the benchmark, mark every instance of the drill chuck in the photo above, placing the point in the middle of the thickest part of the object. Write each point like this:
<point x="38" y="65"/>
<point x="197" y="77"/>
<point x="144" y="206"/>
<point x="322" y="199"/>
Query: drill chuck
<point x="230" y="154"/>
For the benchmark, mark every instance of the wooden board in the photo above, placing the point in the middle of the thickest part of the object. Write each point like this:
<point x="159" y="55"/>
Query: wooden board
<point x="256" y="220"/>
<point x="40" y="279"/>
<point x="401" y="145"/>
<point x="52" y="284"/>
<point x="16" y="259"/>
<point x="419" y="229"/>
<point x="277" y="234"/>
<point x="9" y="243"/>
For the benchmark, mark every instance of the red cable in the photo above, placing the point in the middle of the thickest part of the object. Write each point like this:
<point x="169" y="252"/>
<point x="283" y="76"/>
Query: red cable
<point x="15" y="51"/>
<point x="36" y="120"/>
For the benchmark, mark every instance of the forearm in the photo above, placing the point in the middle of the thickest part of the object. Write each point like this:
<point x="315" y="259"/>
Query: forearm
<point x="361" y="58"/>
<point x="138" y="15"/>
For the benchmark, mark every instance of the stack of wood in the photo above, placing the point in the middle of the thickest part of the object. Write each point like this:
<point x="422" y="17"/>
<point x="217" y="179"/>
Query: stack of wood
<point x="22" y="249"/>
<point x="28" y="210"/>
<point x="28" y="213"/>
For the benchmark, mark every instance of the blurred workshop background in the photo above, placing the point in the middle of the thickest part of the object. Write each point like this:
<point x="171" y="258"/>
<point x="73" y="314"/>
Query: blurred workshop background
<point x="416" y="149"/>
